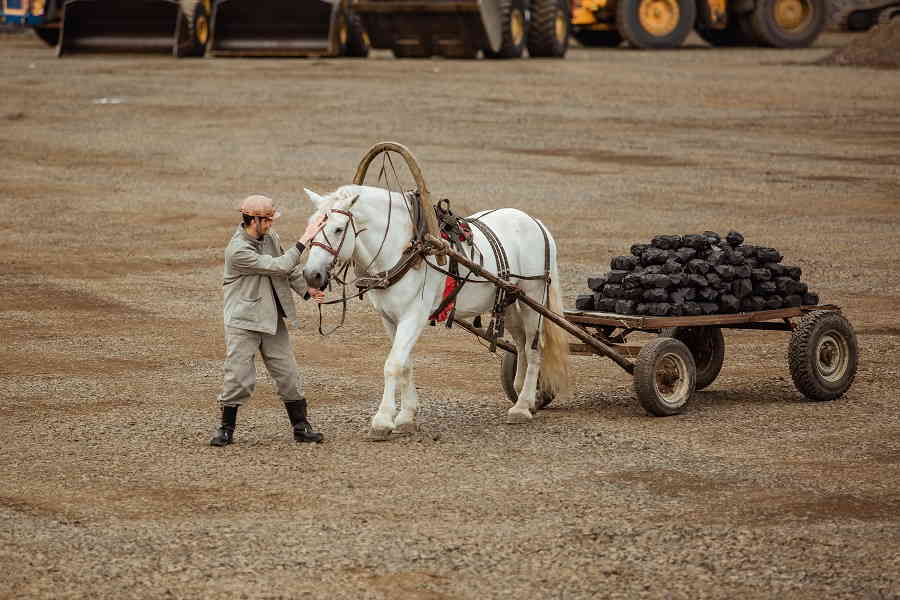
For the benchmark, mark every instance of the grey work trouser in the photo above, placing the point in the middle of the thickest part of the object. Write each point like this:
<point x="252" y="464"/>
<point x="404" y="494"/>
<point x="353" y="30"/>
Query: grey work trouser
<point x="240" y="369"/>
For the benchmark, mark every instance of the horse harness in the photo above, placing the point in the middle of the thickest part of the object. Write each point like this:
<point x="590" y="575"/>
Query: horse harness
<point x="456" y="230"/>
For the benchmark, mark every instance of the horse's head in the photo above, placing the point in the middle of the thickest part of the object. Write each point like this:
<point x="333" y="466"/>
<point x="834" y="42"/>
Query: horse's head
<point x="335" y="243"/>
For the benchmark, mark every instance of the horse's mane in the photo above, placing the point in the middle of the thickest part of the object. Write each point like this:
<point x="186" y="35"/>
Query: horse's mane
<point x="339" y="198"/>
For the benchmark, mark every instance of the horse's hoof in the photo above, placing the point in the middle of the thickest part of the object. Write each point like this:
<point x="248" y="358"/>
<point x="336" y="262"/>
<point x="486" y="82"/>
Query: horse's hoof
<point x="379" y="435"/>
<point x="406" y="429"/>
<point x="517" y="418"/>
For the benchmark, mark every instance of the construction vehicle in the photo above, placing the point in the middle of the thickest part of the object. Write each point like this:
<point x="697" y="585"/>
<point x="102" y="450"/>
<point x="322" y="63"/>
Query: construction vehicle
<point x="861" y="15"/>
<point x="118" y="26"/>
<point x="666" y="23"/>
<point x="286" y="28"/>
<point x="463" y="28"/>
<point x="98" y="25"/>
<point x="194" y="27"/>
<point x="41" y="16"/>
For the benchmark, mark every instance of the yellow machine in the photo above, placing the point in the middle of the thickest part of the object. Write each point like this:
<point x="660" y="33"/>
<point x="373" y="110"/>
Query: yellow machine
<point x="498" y="29"/>
<point x="284" y="28"/>
<point x="666" y="23"/>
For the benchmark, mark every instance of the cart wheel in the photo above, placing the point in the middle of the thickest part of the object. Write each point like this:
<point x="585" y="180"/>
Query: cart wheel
<point x="707" y="346"/>
<point x="508" y="379"/>
<point x="823" y="355"/>
<point x="664" y="376"/>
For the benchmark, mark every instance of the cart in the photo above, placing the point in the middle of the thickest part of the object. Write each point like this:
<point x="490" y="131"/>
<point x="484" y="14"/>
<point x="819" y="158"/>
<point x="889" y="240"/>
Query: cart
<point x="688" y="354"/>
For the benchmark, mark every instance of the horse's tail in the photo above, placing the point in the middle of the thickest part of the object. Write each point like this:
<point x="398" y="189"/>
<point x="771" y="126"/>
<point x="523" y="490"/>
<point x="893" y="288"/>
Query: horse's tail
<point x="554" y="345"/>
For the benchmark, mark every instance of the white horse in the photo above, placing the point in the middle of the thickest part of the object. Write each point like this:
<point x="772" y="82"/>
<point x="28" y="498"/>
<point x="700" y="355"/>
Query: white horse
<point x="357" y="230"/>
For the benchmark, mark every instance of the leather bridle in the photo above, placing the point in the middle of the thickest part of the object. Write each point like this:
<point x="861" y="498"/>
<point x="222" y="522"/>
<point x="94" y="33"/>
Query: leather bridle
<point x="329" y="247"/>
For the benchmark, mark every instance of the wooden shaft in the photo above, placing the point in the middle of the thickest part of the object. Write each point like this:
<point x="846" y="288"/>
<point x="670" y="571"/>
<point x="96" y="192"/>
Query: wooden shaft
<point x="483" y="335"/>
<point x="517" y="292"/>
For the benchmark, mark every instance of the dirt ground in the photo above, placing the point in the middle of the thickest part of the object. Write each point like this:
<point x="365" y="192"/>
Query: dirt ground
<point x="120" y="179"/>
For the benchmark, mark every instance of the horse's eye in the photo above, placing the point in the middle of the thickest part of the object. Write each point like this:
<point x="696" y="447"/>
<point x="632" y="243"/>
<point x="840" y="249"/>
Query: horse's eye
<point x="339" y="229"/>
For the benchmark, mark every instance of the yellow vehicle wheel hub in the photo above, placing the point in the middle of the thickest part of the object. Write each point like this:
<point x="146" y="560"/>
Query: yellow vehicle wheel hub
<point x="343" y="34"/>
<point x="561" y="28"/>
<point x="659" y="18"/>
<point x="792" y="15"/>
<point x="202" y="30"/>
<point x="517" y="26"/>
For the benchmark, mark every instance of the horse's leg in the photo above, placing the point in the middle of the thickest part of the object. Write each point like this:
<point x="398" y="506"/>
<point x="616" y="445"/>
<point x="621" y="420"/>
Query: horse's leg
<point x="397" y="371"/>
<point x="514" y="326"/>
<point x="405" y="422"/>
<point x="522" y="410"/>
<point x="409" y="403"/>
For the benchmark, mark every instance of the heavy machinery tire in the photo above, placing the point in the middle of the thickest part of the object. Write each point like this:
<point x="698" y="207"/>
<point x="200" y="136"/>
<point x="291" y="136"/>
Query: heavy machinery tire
<point x="548" y="35"/>
<point x="664" y="377"/>
<point x="707" y="346"/>
<point x="823" y="355"/>
<point x="199" y="28"/>
<point x="508" y="380"/>
<point x="655" y="24"/>
<point x="788" y="23"/>
<point x="358" y="44"/>
<point x="597" y="38"/>
<point x="48" y="35"/>
<point x="514" y="21"/>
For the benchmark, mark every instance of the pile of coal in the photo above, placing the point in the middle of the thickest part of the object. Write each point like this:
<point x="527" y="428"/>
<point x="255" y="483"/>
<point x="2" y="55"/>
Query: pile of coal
<point x="697" y="274"/>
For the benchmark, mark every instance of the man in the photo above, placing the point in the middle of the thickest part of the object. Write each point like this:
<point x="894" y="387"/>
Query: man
<point x="259" y="276"/>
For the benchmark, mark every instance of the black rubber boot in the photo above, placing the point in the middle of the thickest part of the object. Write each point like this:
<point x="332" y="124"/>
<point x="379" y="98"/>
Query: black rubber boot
<point x="303" y="431"/>
<point x="225" y="432"/>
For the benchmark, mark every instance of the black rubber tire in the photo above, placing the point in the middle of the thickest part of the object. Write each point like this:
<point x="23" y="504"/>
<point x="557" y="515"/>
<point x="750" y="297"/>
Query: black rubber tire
<point x="358" y="44"/>
<point x="510" y="47"/>
<point x="664" y="377"/>
<point x="508" y="380"/>
<point x="770" y="33"/>
<point x="198" y="31"/>
<point x="707" y="346"/>
<point x="597" y="38"/>
<point x="546" y="38"/>
<point x="823" y="355"/>
<point x="628" y="23"/>
<point x="48" y="35"/>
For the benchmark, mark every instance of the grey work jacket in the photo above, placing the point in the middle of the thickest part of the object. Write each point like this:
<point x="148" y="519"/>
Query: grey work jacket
<point x="252" y="269"/>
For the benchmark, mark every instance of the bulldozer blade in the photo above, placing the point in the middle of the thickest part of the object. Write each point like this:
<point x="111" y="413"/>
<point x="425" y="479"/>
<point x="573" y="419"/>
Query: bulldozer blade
<point x="118" y="26"/>
<point x="432" y="27"/>
<point x="274" y="28"/>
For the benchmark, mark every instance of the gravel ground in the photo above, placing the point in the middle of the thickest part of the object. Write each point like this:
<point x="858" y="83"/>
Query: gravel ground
<point x="118" y="191"/>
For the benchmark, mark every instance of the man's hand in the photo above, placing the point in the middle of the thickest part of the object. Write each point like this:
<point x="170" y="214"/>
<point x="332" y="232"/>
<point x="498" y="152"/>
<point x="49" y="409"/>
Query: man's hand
<point x="312" y="229"/>
<point x="317" y="295"/>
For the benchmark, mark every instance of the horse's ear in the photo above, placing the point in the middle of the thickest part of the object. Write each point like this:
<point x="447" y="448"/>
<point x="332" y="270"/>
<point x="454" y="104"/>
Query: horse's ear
<point x="352" y="202"/>
<point x="316" y="199"/>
